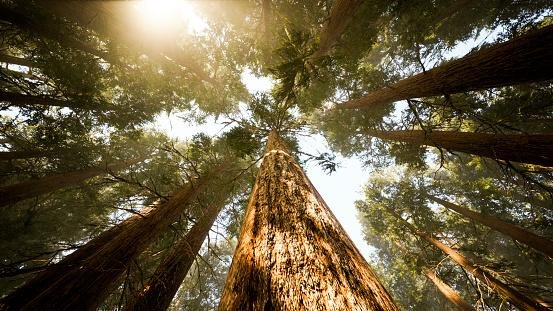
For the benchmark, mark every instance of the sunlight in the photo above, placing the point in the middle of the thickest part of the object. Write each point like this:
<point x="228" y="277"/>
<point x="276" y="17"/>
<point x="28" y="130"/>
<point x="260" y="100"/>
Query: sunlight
<point x="166" y="15"/>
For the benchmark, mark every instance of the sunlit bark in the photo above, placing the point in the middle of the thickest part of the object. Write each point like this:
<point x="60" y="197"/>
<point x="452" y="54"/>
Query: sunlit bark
<point x="293" y="254"/>
<point x="448" y="292"/>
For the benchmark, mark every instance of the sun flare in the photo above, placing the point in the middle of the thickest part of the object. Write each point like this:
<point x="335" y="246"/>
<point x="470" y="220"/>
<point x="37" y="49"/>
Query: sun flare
<point x="168" y="15"/>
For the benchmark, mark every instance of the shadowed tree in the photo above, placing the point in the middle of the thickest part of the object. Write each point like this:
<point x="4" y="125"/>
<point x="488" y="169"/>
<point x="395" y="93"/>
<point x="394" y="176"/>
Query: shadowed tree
<point x="82" y="279"/>
<point x="293" y="254"/>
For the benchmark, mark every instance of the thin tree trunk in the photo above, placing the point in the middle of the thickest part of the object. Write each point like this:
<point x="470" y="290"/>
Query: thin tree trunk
<point x="82" y="279"/>
<point x="15" y="155"/>
<point x="523" y="236"/>
<point x="524" y="148"/>
<point x="32" y="188"/>
<point x="5" y="58"/>
<point x="22" y="100"/>
<point x="293" y="254"/>
<point x="158" y="293"/>
<point x="528" y="58"/>
<point x="448" y="292"/>
<point x="509" y="293"/>
<point x="342" y="13"/>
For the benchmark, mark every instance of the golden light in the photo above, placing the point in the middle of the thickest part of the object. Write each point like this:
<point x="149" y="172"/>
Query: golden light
<point x="161" y="16"/>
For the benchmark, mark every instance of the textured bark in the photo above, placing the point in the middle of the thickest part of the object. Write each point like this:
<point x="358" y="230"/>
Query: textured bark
<point x="110" y="18"/>
<point x="535" y="241"/>
<point x="448" y="292"/>
<point x="524" y="148"/>
<point x="166" y="280"/>
<point x="19" y="99"/>
<point x="5" y="58"/>
<point x="81" y="280"/>
<point x="14" y="155"/>
<point x="342" y="13"/>
<point x="528" y="58"/>
<point x="509" y="293"/>
<point x="32" y="188"/>
<point x="293" y="254"/>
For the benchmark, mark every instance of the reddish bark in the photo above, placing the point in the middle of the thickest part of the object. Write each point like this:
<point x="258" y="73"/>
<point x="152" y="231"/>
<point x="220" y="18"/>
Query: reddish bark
<point x="528" y="58"/>
<point x="293" y="254"/>
<point x="448" y="292"/>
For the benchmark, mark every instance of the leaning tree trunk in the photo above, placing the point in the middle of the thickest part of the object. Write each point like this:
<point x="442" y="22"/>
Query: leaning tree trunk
<point x="524" y="148"/>
<point x="449" y="293"/>
<point x="528" y="58"/>
<point x="509" y="293"/>
<point x="293" y="254"/>
<point x="535" y="241"/>
<point x="342" y="13"/>
<point x="23" y="154"/>
<point x="9" y="59"/>
<point x="32" y="188"/>
<point x="81" y="280"/>
<point x="22" y="100"/>
<point x="164" y="283"/>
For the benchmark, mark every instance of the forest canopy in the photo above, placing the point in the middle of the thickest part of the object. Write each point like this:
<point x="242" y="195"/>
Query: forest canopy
<point x="154" y="155"/>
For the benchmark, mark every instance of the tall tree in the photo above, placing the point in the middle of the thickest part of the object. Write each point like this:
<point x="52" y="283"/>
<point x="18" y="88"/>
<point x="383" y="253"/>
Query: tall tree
<point x="14" y="193"/>
<point x="164" y="283"/>
<point x="82" y="279"/>
<point x="447" y="291"/>
<point x="293" y="254"/>
<point x="527" y="58"/>
<point x="533" y="240"/>
<point x="518" y="299"/>
<point x="524" y="148"/>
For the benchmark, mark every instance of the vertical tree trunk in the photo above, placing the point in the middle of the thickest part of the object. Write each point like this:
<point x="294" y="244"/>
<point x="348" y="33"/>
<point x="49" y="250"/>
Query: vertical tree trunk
<point x="342" y="13"/>
<point x="523" y="236"/>
<point x="164" y="283"/>
<point x="448" y="292"/>
<point x="32" y="188"/>
<point x="293" y="254"/>
<point x="528" y="58"/>
<point x="509" y="293"/>
<point x="531" y="148"/>
<point x="81" y="280"/>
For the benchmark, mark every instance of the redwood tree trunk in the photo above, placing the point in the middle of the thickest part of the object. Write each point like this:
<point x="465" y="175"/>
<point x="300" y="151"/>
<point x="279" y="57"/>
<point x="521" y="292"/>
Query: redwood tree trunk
<point x="531" y="148"/>
<point x="523" y="236"/>
<point x="26" y="154"/>
<point x="509" y="293"/>
<point x="293" y="254"/>
<point x="528" y="58"/>
<point x="164" y="283"/>
<point x="32" y="188"/>
<point x="18" y="99"/>
<point x="342" y="13"/>
<point x="448" y="292"/>
<point x="81" y="280"/>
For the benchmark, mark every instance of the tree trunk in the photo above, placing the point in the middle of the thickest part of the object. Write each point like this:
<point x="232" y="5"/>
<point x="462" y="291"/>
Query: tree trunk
<point x="342" y="13"/>
<point x="166" y="280"/>
<point x="4" y="58"/>
<point x="448" y="292"/>
<point x="293" y="254"/>
<point x="22" y="100"/>
<point x="28" y="189"/>
<point x="81" y="280"/>
<point x="528" y="58"/>
<point x="523" y="236"/>
<point x="531" y="148"/>
<point x="14" y="155"/>
<point x="509" y="293"/>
